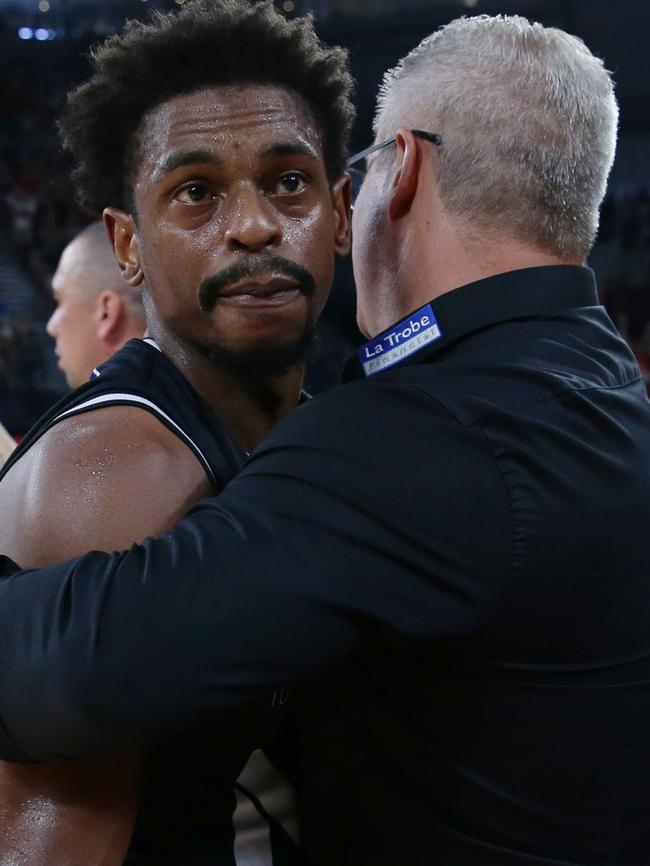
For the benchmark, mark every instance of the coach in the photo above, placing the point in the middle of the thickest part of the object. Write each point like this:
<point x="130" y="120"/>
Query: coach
<point x="448" y="554"/>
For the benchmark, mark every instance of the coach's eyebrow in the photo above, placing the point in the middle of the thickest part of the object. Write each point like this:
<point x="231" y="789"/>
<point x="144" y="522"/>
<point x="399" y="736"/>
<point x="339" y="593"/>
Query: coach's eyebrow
<point x="187" y="157"/>
<point x="290" y="148"/>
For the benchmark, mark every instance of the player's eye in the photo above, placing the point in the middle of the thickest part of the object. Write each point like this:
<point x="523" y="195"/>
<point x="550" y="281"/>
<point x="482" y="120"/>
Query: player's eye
<point x="194" y="193"/>
<point x="293" y="182"/>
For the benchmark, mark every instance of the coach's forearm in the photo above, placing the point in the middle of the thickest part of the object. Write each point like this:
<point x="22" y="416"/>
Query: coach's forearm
<point x="127" y="647"/>
<point x="298" y="563"/>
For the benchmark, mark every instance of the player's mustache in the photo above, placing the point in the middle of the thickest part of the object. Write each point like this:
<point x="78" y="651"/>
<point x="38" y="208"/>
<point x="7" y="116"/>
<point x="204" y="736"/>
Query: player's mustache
<point x="247" y="270"/>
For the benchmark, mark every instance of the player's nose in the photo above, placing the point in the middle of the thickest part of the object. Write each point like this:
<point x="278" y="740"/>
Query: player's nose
<point x="252" y="222"/>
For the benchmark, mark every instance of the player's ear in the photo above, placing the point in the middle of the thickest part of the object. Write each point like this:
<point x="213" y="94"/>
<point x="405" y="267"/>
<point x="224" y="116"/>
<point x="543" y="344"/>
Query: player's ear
<point x="120" y="227"/>
<point x="405" y="183"/>
<point x="342" y="198"/>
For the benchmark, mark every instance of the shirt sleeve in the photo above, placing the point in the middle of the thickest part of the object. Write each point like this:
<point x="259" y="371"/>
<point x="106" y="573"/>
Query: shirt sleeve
<point x="370" y="515"/>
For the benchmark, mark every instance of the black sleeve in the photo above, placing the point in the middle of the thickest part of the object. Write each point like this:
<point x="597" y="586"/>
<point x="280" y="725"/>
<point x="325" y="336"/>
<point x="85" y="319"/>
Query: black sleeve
<point x="368" y="516"/>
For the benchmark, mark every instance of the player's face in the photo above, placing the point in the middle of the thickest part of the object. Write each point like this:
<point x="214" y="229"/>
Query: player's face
<point x="237" y="226"/>
<point x="74" y="322"/>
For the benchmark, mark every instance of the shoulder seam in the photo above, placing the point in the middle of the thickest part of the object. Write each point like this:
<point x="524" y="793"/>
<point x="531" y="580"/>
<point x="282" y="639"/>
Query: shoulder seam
<point x="437" y="401"/>
<point x="513" y="525"/>
<point x="485" y="436"/>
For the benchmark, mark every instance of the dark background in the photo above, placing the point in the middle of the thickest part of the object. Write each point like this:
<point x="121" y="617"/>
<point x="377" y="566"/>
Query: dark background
<point x="42" y="54"/>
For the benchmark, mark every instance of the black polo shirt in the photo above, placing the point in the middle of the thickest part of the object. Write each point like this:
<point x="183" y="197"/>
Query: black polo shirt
<point x="448" y="556"/>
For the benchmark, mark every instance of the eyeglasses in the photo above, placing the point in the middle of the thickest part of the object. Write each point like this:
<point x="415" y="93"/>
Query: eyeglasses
<point x="358" y="174"/>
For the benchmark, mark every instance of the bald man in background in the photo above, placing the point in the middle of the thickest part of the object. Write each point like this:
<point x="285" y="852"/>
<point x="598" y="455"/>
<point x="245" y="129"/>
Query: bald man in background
<point x="95" y="315"/>
<point x="96" y="312"/>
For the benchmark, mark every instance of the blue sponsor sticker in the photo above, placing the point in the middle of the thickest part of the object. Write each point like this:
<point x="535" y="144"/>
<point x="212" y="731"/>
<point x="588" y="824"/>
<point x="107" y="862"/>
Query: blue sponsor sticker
<point x="404" y="339"/>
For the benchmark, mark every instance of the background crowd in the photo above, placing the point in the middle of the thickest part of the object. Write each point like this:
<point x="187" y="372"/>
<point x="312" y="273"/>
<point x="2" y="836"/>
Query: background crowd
<point x="42" y="48"/>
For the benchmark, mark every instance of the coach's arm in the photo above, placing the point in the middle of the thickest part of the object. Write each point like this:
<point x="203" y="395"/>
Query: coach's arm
<point x="319" y="545"/>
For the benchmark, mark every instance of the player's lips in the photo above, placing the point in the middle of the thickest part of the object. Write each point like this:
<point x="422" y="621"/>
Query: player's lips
<point x="267" y="282"/>
<point x="263" y="292"/>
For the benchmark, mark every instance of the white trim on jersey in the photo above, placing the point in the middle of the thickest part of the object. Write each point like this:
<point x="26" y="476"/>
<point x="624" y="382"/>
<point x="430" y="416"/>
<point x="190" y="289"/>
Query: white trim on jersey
<point x="252" y="840"/>
<point x="277" y="797"/>
<point x="136" y="400"/>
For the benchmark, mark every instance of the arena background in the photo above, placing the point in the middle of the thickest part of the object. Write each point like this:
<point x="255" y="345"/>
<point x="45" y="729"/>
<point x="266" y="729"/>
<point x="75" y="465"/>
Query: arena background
<point x="43" y="44"/>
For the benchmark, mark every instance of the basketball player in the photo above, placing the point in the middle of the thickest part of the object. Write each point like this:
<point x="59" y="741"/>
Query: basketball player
<point x="96" y="311"/>
<point x="215" y="140"/>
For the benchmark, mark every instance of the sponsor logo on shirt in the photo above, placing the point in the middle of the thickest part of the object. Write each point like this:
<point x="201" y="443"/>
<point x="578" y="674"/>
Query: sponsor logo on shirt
<point x="404" y="339"/>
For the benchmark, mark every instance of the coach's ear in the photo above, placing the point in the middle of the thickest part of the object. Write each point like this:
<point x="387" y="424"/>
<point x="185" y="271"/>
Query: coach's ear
<point x="405" y="183"/>
<point x="342" y="201"/>
<point x="121" y="233"/>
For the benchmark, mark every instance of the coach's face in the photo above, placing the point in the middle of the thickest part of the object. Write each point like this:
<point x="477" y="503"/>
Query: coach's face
<point x="236" y="226"/>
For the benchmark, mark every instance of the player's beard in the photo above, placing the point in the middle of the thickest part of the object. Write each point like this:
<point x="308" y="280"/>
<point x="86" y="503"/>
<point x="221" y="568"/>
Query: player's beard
<point x="272" y="360"/>
<point x="275" y="359"/>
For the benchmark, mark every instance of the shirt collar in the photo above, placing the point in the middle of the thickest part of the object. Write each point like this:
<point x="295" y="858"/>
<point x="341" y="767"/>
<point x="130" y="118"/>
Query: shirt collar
<point x="427" y="332"/>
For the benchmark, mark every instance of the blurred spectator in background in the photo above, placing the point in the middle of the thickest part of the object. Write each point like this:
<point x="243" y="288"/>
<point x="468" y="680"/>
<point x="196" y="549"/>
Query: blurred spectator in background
<point x="7" y="444"/>
<point x="96" y="311"/>
<point x="6" y="341"/>
<point x="25" y="352"/>
<point x="23" y="206"/>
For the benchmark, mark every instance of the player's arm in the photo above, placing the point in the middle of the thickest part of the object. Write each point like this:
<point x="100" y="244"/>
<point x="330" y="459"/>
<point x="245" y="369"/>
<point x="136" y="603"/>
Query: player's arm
<point x="97" y="482"/>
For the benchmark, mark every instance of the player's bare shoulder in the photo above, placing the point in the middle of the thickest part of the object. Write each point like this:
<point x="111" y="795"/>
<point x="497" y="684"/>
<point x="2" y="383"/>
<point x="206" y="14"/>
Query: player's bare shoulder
<point x="97" y="480"/>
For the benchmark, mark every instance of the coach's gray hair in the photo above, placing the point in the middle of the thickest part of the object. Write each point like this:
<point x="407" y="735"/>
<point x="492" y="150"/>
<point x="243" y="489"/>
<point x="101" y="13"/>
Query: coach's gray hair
<point x="528" y="122"/>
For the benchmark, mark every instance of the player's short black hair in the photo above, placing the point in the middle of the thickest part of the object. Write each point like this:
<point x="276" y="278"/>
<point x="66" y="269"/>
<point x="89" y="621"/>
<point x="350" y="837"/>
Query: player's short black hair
<point x="207" y="42"/>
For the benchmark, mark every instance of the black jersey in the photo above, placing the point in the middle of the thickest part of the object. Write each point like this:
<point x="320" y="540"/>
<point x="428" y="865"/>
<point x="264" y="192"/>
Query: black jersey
<point x="200" y="805"/>
<point x="140" y="375"/>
